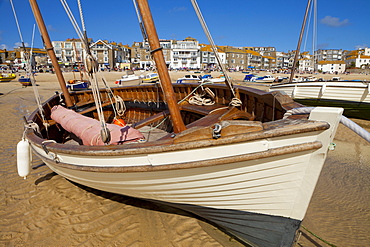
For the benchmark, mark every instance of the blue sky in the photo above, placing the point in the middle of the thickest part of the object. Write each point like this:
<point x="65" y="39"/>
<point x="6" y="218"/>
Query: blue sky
<point x="341" y="24"/>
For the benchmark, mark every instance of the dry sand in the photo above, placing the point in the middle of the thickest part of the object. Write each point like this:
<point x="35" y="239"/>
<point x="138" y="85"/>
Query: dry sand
<point x="48" y="210"/>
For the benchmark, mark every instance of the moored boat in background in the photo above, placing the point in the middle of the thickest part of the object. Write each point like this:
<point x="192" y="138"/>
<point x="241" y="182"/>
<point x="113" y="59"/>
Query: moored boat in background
<point x="150" y="78"/>
<point x="25" y="81"/>
<point x="129" y="77"/>
<point x="4" y="77"/>
<point x="77" y="85"/>
<point x="353" y="96"/>
<point x="189" y="78"/>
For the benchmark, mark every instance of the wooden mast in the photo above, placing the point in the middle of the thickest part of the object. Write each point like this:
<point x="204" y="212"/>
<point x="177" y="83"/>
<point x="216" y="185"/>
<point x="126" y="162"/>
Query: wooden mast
<point x="157" y="53"/>
<point x="50" y="50"/>
<point x="299" y="41"/>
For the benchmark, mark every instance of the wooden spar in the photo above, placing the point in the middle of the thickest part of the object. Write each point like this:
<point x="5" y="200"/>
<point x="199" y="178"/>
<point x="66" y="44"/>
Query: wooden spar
<point x="157" y="53"/>
<point x="300" y="41"/>
<point x="50" y="50"/>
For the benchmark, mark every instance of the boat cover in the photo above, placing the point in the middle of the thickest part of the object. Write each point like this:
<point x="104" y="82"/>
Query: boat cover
<point x="88" y="129"/>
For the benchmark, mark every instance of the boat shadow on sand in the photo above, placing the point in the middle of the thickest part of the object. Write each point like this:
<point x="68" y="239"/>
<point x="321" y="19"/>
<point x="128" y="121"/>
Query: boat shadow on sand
<point x="151" y="205"/>
<point x="185" y="210"/>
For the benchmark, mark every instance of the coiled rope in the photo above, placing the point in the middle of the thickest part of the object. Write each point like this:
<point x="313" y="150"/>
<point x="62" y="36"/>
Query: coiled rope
<point x="344" y="120"/>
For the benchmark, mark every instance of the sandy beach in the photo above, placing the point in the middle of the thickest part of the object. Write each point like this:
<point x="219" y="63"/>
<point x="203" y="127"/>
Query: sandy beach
<point x="47" y="210"/>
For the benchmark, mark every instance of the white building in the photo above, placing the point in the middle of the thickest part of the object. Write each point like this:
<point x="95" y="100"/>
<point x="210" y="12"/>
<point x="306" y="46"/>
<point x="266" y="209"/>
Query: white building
<point x="306" y="64"/>
<point x="329" y="54"/>
<point x="185" y="54"/>
<point x="332" y="67"/>
<point x="208" y="57"/>
<point x="358" y="58"/>
<point x="68" y="52"/>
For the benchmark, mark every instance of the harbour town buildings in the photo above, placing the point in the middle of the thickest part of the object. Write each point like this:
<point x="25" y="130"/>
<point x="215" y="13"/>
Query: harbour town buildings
<point x="190" y="54"/>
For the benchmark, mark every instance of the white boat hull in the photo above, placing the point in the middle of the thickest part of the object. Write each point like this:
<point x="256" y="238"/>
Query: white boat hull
<point x="345" y="91"/>
<point x="256" y="184"/>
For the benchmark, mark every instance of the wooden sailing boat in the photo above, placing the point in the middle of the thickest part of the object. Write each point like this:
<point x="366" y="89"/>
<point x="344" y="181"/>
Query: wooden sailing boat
<point x="244" y="167"/>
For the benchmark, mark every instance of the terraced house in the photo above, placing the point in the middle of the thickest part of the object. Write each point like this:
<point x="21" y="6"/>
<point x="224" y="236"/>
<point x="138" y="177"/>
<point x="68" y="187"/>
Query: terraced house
<point x="111" y="55"/>
<point x="208" y="57"/>
<point x="254" y="59"/>
<point x="236" y="59"/>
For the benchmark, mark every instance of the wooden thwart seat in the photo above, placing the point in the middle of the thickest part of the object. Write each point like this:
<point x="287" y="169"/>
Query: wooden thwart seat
<point x="202" y="110"/>
<point x="220" y="114"/>
<point x="151" y="119"/>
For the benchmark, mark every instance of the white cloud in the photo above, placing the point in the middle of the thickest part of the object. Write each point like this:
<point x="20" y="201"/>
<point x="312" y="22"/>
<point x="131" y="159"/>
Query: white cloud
<point x="334" y="21"/>
<point x="50" y="28"/>
<point x="178" y="9"/>
<point x="3" y="47"/>
<point x="361" y="46"/>
<point x="322" y="45"/>
<point x="19" y="44"/>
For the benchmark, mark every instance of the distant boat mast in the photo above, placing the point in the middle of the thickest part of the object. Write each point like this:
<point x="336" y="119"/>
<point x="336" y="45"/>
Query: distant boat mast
<point x="299" y="42"/>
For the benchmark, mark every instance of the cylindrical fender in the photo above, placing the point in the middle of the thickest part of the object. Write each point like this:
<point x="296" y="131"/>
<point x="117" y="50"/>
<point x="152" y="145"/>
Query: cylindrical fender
<point x="23" y="158"/>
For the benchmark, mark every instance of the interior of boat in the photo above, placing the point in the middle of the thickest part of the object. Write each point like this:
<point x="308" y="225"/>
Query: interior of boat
<point x="145" y="110"/>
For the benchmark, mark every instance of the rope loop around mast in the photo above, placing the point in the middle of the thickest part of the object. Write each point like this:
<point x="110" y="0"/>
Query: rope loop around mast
<point x="158" y="49"/>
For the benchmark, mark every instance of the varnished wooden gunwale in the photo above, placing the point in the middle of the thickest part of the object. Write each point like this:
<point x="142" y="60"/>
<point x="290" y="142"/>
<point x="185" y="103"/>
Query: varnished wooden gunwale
<point x="276" y="129"/>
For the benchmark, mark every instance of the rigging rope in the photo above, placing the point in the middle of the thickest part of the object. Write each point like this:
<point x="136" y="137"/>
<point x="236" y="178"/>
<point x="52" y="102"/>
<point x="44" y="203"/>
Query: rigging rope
<point x="16" y="21"/>
<point x="72" y="19"/>
<point x="142" y="28"/>
<point x="81" y="15"/>
<point x="91" y="67"/>
<point x="28" y="58"/>
<point x="214" y="48"/>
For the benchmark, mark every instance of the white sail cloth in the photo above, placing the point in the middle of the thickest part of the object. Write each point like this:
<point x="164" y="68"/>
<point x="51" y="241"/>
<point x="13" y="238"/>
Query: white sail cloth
<point x="88" y="129"/>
